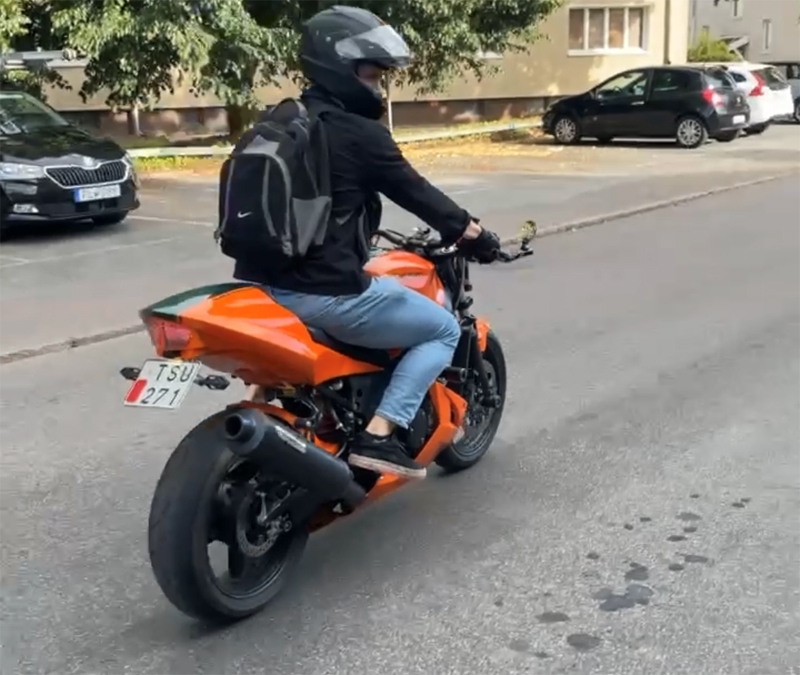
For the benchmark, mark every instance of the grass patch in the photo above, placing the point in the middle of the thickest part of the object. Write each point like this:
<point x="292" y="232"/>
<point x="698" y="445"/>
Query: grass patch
<point x="487" y="143"/>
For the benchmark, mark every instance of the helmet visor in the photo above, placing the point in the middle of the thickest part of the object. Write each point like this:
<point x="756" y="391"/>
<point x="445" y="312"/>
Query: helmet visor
<point x="382" y="45"/>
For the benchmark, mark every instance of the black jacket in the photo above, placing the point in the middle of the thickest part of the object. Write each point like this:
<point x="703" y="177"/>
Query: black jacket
<point x="365" y="161"/>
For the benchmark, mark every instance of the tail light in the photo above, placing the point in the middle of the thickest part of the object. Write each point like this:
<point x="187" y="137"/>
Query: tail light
<point x="712" y="97"/>
<point x="168" y="337"/>
<point x="758" y="90"/>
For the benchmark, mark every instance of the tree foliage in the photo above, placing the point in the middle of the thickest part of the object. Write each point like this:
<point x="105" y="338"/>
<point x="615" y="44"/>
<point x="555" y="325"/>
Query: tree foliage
<point x="137" y="48"/>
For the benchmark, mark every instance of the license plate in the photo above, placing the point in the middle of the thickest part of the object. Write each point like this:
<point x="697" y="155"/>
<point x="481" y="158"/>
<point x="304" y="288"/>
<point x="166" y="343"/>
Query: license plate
<point x="92" y="194"/>
<point x="739" y="119"/>
<point x="162" y="383"/>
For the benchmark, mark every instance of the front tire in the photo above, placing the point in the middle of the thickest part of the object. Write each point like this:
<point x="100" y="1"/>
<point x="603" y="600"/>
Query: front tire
<point x="471" y="448"/>
<point x="566" y="130"/>
<point x="182" y="516"/>
<point x="110" y="219"/>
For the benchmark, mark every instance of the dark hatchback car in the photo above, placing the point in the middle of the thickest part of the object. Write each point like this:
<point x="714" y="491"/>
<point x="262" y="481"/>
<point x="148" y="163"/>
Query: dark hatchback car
<point x="689" y="104"/>
<point x="51" y="170"/>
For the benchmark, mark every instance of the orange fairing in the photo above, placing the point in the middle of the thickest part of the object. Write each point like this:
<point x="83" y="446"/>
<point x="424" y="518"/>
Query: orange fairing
<point x="246" y="333"/>
<point x="482" y="329"/>
<point x="412" y="271"/>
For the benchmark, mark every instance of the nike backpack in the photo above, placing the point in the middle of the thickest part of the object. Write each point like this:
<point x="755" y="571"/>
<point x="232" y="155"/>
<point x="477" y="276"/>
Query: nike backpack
<point x="275" y="188"/>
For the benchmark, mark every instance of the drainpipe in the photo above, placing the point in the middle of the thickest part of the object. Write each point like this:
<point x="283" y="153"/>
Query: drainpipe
<point x="667" y="29"/>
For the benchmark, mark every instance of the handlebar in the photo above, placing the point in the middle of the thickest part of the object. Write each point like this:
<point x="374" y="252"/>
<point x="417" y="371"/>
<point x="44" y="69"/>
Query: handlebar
<point x="422" y="242"/>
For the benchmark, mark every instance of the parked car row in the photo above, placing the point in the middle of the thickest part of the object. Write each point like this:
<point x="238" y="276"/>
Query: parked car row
<point x="688" y="103"/>
<point x="51" y="170"/>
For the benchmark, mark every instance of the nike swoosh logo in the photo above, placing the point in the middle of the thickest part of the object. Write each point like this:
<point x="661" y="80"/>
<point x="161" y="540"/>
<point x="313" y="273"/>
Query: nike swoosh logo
<point x="243" y="215"/>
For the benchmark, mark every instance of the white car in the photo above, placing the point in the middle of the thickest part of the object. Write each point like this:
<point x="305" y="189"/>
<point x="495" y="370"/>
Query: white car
<point x="768" y="93"/>
<point x="791" y="73"/>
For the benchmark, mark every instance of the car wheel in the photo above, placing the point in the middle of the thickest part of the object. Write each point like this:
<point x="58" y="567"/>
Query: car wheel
<point x="728" y="136"/>
<point x="756" y="129"/>
<point x="566" y="130"/>
<point x="111" y="219"/>
<point x="797" y="111"/>
<point x="691" y="132"/>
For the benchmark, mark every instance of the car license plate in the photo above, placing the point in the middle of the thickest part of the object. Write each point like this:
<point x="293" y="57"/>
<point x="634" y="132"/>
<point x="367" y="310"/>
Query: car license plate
<point x="92" y="194"/>
<point x="162" y="383"/>
<point x="739" y="119"/>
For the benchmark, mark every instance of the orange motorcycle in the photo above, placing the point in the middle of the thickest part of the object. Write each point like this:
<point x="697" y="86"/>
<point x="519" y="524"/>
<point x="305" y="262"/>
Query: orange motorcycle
<point x="264" y="473"/>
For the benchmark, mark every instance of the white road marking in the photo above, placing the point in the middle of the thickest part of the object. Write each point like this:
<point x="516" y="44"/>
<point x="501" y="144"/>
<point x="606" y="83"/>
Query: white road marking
<point x="83" y="254"/>
<point x="179" y="221"/>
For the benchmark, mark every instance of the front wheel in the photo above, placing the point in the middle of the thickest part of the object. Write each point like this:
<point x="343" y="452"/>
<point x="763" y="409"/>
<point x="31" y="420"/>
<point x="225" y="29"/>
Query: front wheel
<point x="481" y="422"/>
<point x="207" y="496"/>
<point x="566" y="130"/>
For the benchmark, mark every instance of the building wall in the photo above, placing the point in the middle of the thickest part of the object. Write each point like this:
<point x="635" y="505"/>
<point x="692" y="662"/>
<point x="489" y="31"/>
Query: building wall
<point x="745" y="18"/>
<point x="525" y="83"/>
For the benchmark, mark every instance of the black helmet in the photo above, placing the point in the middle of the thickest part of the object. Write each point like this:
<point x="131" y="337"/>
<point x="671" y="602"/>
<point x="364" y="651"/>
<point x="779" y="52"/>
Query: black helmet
<point x="333" y="44"/>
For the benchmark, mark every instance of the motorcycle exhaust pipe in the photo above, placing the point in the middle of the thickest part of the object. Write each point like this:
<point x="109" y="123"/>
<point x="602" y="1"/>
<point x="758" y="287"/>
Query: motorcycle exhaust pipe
<point x="252" y="435"/>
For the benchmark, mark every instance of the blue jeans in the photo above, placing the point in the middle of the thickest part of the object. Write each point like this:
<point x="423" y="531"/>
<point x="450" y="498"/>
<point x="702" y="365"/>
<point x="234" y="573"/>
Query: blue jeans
<point x="386" y="316"/>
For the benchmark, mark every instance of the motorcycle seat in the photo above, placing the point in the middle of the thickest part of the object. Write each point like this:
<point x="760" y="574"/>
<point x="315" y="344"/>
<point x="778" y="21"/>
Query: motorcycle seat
<point x="376" y="357"/>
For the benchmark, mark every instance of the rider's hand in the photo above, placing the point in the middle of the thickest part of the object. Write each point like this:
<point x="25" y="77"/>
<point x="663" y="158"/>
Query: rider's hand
<point x="482" y="247"/>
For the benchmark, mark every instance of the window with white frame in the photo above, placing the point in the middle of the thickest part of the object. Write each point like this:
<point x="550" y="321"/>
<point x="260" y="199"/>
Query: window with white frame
<point x="606" y="29"/>
<point x="736" y="8"/>
<point x="766" y="35"/>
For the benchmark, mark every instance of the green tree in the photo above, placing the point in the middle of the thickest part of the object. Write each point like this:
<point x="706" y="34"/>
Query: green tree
<point x="25" y="26"/>
<point x="138" y="49"/>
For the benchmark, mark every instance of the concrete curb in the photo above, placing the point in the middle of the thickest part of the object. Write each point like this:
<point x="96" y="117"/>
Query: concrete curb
<point x="72" y="343"/>
<point x="650" y="206"/>
<point x="405" y="139"/>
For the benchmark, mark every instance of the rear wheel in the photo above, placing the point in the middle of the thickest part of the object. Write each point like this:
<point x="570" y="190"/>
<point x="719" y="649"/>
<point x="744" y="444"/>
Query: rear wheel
<point x="481" y="422"/>
<point x="207" y="496"/>
<point x="728" y="136"/>
<point x="691" y="132"/>
<point x="757" y="129"/>
<point x="797" y="111"/>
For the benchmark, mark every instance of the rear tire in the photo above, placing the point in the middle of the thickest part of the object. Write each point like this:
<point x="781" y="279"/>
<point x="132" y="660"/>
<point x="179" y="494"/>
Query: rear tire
<point x="178" y="532"/>
<point x="796" y="115"/>
<point x="470" y="449"/>
<point x="728" y="136"/>
<point x="691" y="132"/>
<point x="757" y="129"/>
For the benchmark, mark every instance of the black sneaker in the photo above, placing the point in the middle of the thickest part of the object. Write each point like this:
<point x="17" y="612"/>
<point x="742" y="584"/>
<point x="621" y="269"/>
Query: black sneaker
<point x="384" y="454"/>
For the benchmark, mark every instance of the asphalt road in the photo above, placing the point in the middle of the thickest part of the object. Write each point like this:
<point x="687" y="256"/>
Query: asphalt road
<point x="73" y="281"/>
<point x="649" y="452"/>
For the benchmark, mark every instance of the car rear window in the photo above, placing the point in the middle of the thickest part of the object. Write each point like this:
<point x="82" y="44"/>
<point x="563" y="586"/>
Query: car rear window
<point x="719" y="79"/>
<point x="737" y="77"/>
<point x="772" y="78"/>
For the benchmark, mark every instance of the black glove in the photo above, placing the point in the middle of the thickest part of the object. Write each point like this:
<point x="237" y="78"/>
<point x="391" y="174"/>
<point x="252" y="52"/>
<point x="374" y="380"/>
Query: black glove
<point x="483" y="249"/>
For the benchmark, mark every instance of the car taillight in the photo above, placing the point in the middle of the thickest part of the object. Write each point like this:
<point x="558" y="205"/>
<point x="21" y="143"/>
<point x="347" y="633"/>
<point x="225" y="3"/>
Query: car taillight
<point x="712" y="97"/>
<point x="758" y="90"/>
<point x="168" y="336"/>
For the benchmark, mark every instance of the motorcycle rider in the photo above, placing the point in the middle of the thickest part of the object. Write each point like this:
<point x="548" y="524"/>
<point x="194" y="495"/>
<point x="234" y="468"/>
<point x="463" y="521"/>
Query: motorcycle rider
<point x="345" y="54"/>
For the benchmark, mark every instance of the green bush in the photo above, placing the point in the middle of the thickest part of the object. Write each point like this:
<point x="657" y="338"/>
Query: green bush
<point x="707" y="49"/>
